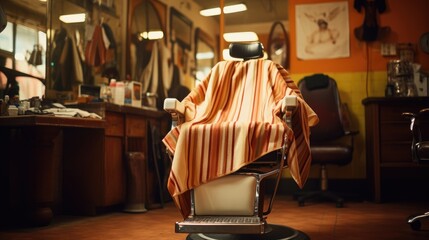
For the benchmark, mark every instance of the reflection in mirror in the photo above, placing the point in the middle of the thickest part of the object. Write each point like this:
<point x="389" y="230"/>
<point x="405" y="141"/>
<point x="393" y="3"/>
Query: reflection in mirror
<point x="65" y="68"/>
<point x="82" y="46"/>
<point x="147" y="54"/>
<point x="204" y="55"/>
<point x="22" y="49"/>
<point x="278" y="49"/>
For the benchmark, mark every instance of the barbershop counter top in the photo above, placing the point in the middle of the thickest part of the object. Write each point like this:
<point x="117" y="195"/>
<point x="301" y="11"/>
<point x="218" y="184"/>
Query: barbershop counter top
<point x="49" y="120"/>
<point x="98" y="108"/>
<point x="101" y="108"/>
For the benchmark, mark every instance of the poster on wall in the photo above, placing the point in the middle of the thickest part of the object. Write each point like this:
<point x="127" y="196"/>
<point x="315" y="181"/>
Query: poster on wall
<point x="322" y="30"/>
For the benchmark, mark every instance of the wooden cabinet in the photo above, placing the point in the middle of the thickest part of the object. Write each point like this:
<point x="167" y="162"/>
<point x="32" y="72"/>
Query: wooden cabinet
<point x="45" y="163"/>
<point x="126" y="130"/>
<point x="388" y="143"/>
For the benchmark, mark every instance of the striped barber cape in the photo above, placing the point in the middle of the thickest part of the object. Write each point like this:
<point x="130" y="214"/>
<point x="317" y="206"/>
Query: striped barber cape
<point x="231" y="119"/>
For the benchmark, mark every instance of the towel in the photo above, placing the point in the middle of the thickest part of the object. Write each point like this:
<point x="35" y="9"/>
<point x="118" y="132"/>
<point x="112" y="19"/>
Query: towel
<point x="233" y="118"/>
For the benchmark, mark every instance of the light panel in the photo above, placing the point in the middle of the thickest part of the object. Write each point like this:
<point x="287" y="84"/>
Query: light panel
<point x="240" y="37"/>
<point x="227" y="10"/>
<point x="204" y="55"/>
<point x="152" y="35"/>
<point x="73" y="18"/>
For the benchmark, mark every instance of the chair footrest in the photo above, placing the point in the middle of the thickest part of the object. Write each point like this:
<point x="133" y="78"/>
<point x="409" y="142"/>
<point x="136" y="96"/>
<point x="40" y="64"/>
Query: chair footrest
<point x="222" y="224"/>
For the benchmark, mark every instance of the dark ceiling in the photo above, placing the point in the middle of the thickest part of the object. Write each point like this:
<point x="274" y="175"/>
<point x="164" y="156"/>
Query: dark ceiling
<point x="258" y="11"/>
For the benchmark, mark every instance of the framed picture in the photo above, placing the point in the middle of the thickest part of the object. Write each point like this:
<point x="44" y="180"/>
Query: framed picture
<point x="180" y="29"/>
<point x="322" y="30"/>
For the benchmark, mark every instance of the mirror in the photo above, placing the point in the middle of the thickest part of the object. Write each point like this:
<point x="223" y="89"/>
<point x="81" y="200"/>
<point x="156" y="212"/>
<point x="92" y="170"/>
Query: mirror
<point x="23" y="49"/>
<point x="278" y="49"/>
<point x="46" y="41"/>
<point x="84" y="39"/>
<point x="146" y="23"/>
<point x="204" y="55"/>
<point x="66" y="57"/>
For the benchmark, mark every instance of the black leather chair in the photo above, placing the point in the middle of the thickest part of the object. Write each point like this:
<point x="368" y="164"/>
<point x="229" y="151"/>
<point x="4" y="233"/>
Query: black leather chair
<point x="321" y="93"/>
<point x="419" y="152"/>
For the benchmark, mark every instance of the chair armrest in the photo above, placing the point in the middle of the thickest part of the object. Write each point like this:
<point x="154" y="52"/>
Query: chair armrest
<point x="176" y="109"/>
<point x="289" y="102"/>
<point x="415" y="128"/>
<point x="173" y="105"/>
<point x="415" y="119"/>
<point x="346" y="120"/>
<point x="424" y="112"/>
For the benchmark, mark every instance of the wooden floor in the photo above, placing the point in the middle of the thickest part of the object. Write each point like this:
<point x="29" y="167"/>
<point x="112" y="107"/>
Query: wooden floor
<point x="321" y="221"/>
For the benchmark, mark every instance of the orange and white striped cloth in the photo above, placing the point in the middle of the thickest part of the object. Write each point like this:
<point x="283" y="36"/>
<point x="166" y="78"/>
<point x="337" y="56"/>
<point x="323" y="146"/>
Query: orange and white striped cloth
<point x="232" y="118"/>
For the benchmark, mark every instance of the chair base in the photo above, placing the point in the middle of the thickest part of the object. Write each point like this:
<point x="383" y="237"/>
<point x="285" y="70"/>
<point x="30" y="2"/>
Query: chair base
<point x="277" y="232"/>
<point x="414" y="221"/>
<point x="321" y="194"/>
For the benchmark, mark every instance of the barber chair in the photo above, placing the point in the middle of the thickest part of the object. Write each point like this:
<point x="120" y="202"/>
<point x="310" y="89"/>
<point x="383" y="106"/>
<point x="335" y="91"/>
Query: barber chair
<point x="419" y="152"/>
<point x="327" y="142"/>
<point x="235" y="206"/>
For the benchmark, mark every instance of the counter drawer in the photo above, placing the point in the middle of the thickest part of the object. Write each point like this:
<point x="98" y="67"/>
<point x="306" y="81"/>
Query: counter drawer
<point x="114" y="124"/>
<point x="135" y="126"/>
<point x="395" y="152"/>
<point x="395" y="131"/>
<point x="394" y="112"/>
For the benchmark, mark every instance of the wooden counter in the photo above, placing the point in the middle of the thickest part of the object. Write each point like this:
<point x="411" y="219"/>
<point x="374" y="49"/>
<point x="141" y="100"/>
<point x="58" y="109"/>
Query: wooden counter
<point x="52" y="165"/>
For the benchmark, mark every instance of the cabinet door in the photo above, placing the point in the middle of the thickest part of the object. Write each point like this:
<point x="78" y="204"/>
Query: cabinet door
<point x="114" y="172"/>
<point x="136" y="134"/>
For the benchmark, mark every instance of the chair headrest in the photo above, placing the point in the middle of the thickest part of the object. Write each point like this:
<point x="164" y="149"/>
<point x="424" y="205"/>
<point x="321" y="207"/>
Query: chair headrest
<point x="246" y="51"/>
<point x="316" y="81"/>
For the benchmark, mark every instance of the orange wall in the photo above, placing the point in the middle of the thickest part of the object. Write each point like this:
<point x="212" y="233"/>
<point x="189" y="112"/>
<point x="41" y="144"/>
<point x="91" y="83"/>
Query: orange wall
<point x="363" y="74"/>
<point x="408" y="20"/>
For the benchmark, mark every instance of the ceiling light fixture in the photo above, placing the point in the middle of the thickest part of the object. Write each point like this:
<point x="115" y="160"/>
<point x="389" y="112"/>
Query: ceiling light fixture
<point x="240" y="37"/>
<point x="204" y="55"/>
<point x="152" y="35"/>
<point x="227" y="9"/>
<point x="73" y="18"/>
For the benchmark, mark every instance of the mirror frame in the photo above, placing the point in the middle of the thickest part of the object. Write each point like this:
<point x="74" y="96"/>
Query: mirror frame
<point x="285" y="60"/>
<point x="184" y="39"/>
<point x="203" y="36"/>
<point x="200" y="35"/>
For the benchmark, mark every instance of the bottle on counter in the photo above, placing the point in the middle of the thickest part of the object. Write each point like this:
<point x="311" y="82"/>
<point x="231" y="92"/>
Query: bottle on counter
<point x="112" y="86"/>
<point x="4" y="106"/>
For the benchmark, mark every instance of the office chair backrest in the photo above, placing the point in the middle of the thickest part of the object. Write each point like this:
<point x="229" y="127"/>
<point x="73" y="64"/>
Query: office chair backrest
<point x="246" y="51"/>
<point x="3" y="19"/>
<point x="321" y="93"/>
